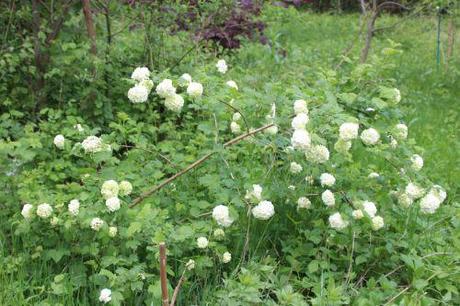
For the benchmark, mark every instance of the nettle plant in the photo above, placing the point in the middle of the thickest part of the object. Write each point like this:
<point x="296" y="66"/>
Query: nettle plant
<point x="324" y="160"/>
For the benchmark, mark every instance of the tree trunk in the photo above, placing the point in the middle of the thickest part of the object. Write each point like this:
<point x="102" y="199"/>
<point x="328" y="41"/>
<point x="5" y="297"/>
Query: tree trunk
<point x="90" y="25"/>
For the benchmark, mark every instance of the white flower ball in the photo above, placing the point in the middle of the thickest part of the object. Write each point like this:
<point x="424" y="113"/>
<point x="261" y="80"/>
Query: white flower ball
<point x="113" y="204"/>
<point x="342" y="146"/>
<point x="348" y="131"/>
<point x="429" y="203"/>
<point x="300" y="121"/>
<point x="235" y="127"/>
<point x="110" y="189"/>
<point x="219" y="233"/>
<point x="27" y="211"/>
<point x="96" y="224"/>
<point x="113" y="231"/>
<point x="327" y="179"/>
<point x="301" y="140"/>
<point x="405" y="200"/>
<point x="221" y="214"/>
<point x="414" y="191"/>
<point x="140" y="73"/>
<point x="328" y="198"/>
<point x="105" y="296"/>
<point x="357" y="214"/>
<point x="227" y="257"/>
<point x="54" y="221"/>
<point x="78" y="127"/>
<point x="303" y="202"/>
<point x="236" y="116"/>
<point x="401" y="131"/>
<point x="125" y="188"/>
<point x="370" y="208"/>
<point x="439" y="192"/>
<point x="138" y="94"/>
<point x="74" y="207"/>
<point x="92" y="144"/>
<point x="377" y="223"/>
<point x="373" y="175"/>
<point x="273" y="130"/>
<point x="190" y="265"/>
<point x="370" y="136"/>
<point x="44" y="210"/>
<point x="165" y="88"/>
<point x="317" y="154"/>
<point x="232" y="84"/>
<point x="393" y="143"/>
<point x="195" y="90"/>
<point x="397" y="95"/>
<point x="222" y="66"/>
<point x="185" y="80"/>
<point x="59" y="141"/>
<point x="336" y="221"/>
<point x="264" y="210"/>
<point x="295" y="168"/>
<point x="417" y="162"/>
<point x="202" y="242"/>
<point x="147" y="84"/>
<point x="255" y="194"/>
<point x="174" y="103"/>
<point x="291" y="187"/>
<point x="300" y="106"/>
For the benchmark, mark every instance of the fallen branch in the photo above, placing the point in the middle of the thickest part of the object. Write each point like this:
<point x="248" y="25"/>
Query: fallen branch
<point x="177" y="289"/>
<point x="196" y="164"/>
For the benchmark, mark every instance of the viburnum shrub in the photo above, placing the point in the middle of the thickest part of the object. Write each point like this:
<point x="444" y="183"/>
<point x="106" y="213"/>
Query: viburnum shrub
<point x="221" y="173"/>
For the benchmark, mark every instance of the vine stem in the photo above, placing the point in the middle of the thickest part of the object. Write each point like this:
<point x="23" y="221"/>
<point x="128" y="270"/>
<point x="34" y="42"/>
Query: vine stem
<point x="196" y="164"/>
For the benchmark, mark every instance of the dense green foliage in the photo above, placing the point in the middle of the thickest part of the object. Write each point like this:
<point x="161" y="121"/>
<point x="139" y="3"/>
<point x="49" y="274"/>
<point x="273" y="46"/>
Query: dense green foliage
<point x="294" y="258"/>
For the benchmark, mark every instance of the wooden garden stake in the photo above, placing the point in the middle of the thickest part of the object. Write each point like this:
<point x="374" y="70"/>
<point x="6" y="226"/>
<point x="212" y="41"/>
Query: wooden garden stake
<point x="163" y="276"/>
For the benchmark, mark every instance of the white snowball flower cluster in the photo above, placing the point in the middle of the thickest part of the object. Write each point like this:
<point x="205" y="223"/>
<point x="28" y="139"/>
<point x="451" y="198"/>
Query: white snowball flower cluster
<point x="165" y="88"/>
<point x="317" y="154"/>
<point x="190" y="265"/>
<point x="113" y="230"/>
<point x="377" y="223"/>
<point x="414" y="191"/>
<point x="110" y="189"/>
<point x="300" y="107"/>
<point x="393" y="143"/>
<point x="138" y="93"/>
<point x="264" y="210"/>
<point x="92" y="144"/>
<point x="125" y="188"/>
<point x="219" y="233"/>
<point x="357" y="214"/>
<point x="221" y="214"/>
<point x="328" y="198"/>
<point x="221" y="66"/>
<point x="59" y="141"/>
<point x="174" y="103"/>
<point x="327" y="179"/>
<point x="342" y="146"/>
<point x="370" y="136"/>
<point x="96" y="224"/>
<point x="301" y="139"/>
<point x="417" y="162"/>
<point x="105" y="296"/>
<point x="54" y="221"/>
<point x="195" y="89"/>
<point x="348" y="131"/>
<point x="74" y="207"/>
<point x="303" y="203"/>
<point x="236" y="116"/>
<point x="232" y="84"/>
<point x="369" y="208"/>
<point x="300" y="121"/>
<point x="226" y="257"/>
<point x="140" y="73"/>
<point x="401" y="131"/>
<point x="336" y="221"/>
<point x="295" y="168"/>
<point x="405" y="200"/>
<point x="27" y="211"/>
<point x="44" y="210"/>
<point x="432" y="200"/>
<point x="235" y="127"/>
<point x="397" y="95"/>
<point x="202" y="242"/>
<point x="185" y="80"/>
<point x="373" y="175"/>
<point x="113" y="204"/>
<point x="254" y="195"/>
